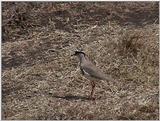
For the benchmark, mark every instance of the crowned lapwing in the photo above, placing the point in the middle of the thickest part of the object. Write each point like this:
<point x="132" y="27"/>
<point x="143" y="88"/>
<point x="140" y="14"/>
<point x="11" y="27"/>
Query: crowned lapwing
<point x="90" y="71"/>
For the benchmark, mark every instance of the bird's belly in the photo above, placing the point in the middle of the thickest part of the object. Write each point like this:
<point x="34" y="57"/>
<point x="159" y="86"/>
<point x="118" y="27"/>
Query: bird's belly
<point x="86" y="75"/>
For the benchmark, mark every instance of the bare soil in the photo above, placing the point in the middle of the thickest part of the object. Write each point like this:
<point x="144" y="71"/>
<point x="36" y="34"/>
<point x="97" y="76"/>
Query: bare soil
<point x="40" y="79"/>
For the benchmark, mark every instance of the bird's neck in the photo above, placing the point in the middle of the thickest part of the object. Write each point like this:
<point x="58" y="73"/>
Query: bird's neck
<point x="81" y="58"/>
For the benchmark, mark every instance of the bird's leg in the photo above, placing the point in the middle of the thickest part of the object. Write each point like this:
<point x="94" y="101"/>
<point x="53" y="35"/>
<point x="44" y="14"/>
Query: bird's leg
<point x="93" y="87"/>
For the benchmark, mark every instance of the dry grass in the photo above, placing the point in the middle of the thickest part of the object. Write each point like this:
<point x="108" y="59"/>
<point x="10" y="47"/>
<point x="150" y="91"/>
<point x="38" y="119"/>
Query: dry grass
<point x="40" y="80"/>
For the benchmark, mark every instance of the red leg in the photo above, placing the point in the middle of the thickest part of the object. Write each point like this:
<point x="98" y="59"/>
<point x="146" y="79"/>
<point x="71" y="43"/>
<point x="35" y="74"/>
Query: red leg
<point x="93" y="87"/>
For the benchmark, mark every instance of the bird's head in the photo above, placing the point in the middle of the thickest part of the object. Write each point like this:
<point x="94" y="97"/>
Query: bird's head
<point x="77" y="53"/>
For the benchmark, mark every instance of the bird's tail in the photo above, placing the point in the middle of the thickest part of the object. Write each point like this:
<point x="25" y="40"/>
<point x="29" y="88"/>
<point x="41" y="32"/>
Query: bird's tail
<point x="108" y="78"/>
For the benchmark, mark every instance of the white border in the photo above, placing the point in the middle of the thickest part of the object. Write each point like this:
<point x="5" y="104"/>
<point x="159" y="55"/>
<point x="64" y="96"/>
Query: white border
<point x="66" y="1"/>
<point x="159" y="62"/>
<point x="0" y="65"/>
<point x="80" y="0"/>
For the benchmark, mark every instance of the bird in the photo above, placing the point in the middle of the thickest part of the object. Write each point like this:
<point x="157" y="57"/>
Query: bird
<point x="90" y="71"/>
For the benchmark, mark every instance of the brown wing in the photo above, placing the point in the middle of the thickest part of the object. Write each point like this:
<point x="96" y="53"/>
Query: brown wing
<point x="92" y="70"/>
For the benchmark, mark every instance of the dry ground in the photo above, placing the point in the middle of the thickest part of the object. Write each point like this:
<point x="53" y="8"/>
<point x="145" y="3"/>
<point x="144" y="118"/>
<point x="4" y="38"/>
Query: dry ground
<point x="40" y="80"/>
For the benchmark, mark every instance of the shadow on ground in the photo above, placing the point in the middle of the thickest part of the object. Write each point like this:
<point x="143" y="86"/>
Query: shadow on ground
<point x="73" y="97"/>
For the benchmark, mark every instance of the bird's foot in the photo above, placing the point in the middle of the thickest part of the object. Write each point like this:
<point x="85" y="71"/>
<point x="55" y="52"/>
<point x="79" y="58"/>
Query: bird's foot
<point x="92" y="98"/>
